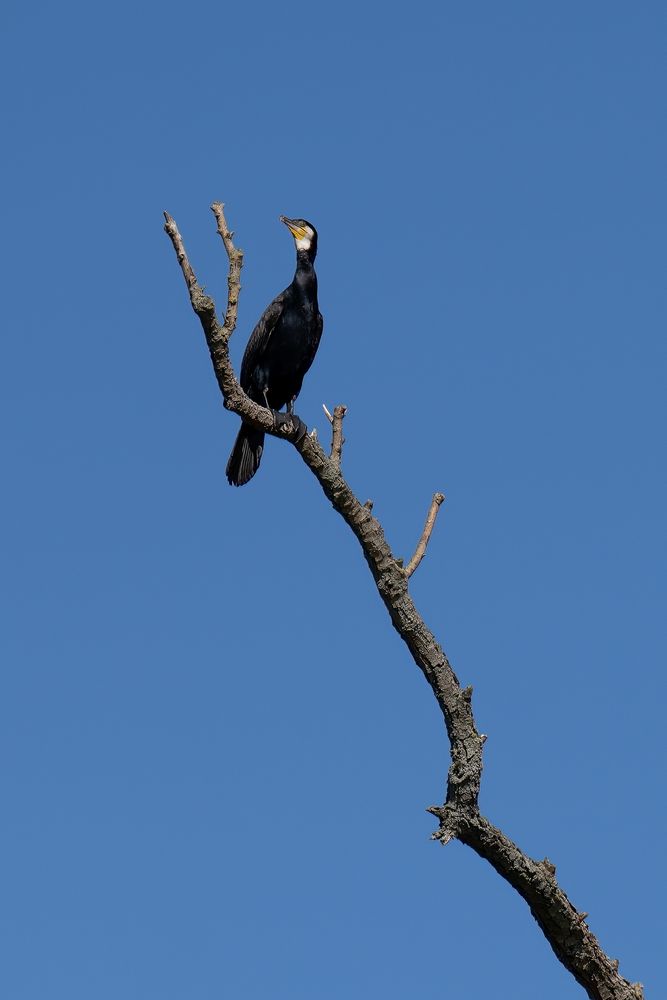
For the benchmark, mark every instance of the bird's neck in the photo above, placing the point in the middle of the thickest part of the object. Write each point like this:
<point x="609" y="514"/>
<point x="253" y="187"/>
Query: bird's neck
<point x="304" y="260"/>
<point x="305" y="276"/>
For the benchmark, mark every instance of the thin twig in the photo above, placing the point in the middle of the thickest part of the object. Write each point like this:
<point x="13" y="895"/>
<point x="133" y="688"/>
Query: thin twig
<point x="327" y="414"/>
<point x="426" y="534"/>
<point x="337" y="439"/>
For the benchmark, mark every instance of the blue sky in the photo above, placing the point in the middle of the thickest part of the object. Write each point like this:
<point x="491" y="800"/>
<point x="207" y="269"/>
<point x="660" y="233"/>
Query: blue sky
<point x="215" y="754"/>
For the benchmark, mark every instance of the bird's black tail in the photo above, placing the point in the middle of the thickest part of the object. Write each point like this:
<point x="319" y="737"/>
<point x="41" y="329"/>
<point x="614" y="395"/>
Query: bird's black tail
<point x="246" y="455"/>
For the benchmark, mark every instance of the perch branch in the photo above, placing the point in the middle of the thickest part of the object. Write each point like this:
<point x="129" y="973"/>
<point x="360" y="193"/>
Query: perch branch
<point x="420" y="551"/>
<point x="569" y="936"/>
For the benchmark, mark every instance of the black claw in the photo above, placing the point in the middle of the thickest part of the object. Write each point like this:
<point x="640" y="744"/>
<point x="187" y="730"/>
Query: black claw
<point x="301" y="429"/>
<point x="293" y="425"/>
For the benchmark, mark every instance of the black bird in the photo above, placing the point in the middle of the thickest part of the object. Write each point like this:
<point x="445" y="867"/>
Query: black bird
<point x="280" y="351"/>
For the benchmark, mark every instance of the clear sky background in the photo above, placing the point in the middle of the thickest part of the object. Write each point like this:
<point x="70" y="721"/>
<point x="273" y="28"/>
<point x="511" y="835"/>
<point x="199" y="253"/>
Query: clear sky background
<point x="215" y="752"/>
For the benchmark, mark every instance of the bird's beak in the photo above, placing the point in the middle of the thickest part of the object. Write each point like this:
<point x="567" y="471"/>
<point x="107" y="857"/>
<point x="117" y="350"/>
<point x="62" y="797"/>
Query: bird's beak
<point x="297" y="232"/>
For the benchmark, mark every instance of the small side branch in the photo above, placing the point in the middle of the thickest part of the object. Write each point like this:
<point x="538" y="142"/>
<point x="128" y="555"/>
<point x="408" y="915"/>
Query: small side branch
<point x="426" y="534"/>
<point x="235" y="257"/>
<point x="337" y="439"/>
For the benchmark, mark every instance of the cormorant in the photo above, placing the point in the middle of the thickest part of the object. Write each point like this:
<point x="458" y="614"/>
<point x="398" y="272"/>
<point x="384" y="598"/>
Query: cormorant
<point x="280" y="351"/>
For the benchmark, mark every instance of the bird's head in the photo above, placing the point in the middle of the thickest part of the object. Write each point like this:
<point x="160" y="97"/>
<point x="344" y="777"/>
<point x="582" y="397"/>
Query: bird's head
<point x="305" y="235"/>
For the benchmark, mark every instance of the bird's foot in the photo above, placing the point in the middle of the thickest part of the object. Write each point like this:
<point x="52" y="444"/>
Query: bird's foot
<point x="290" y="424"/>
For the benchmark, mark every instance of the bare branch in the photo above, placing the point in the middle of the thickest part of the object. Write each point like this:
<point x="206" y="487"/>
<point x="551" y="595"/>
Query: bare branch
<point x="337" y="439"/>
<point x="172" y="232"/>
<point x="566" y="931"/>
<point x="202" y="304"/>
<point x="420" y="551"/>
<point x="327" y="414"/>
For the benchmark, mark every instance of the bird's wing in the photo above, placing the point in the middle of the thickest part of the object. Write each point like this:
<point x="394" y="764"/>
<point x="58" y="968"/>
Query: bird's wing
<point x="315" y="342"/>
<point x="259" y="339"/>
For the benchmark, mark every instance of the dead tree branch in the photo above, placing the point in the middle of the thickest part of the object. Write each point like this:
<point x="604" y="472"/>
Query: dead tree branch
<point x="564" y="927"/>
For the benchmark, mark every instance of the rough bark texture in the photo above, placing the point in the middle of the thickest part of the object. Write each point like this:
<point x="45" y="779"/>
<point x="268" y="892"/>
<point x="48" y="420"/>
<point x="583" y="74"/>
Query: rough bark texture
<point x="563" y="926"/>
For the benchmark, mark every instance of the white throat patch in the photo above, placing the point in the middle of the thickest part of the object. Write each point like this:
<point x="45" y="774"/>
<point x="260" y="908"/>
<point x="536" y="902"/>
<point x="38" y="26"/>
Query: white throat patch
<point x="303" y="243"/>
